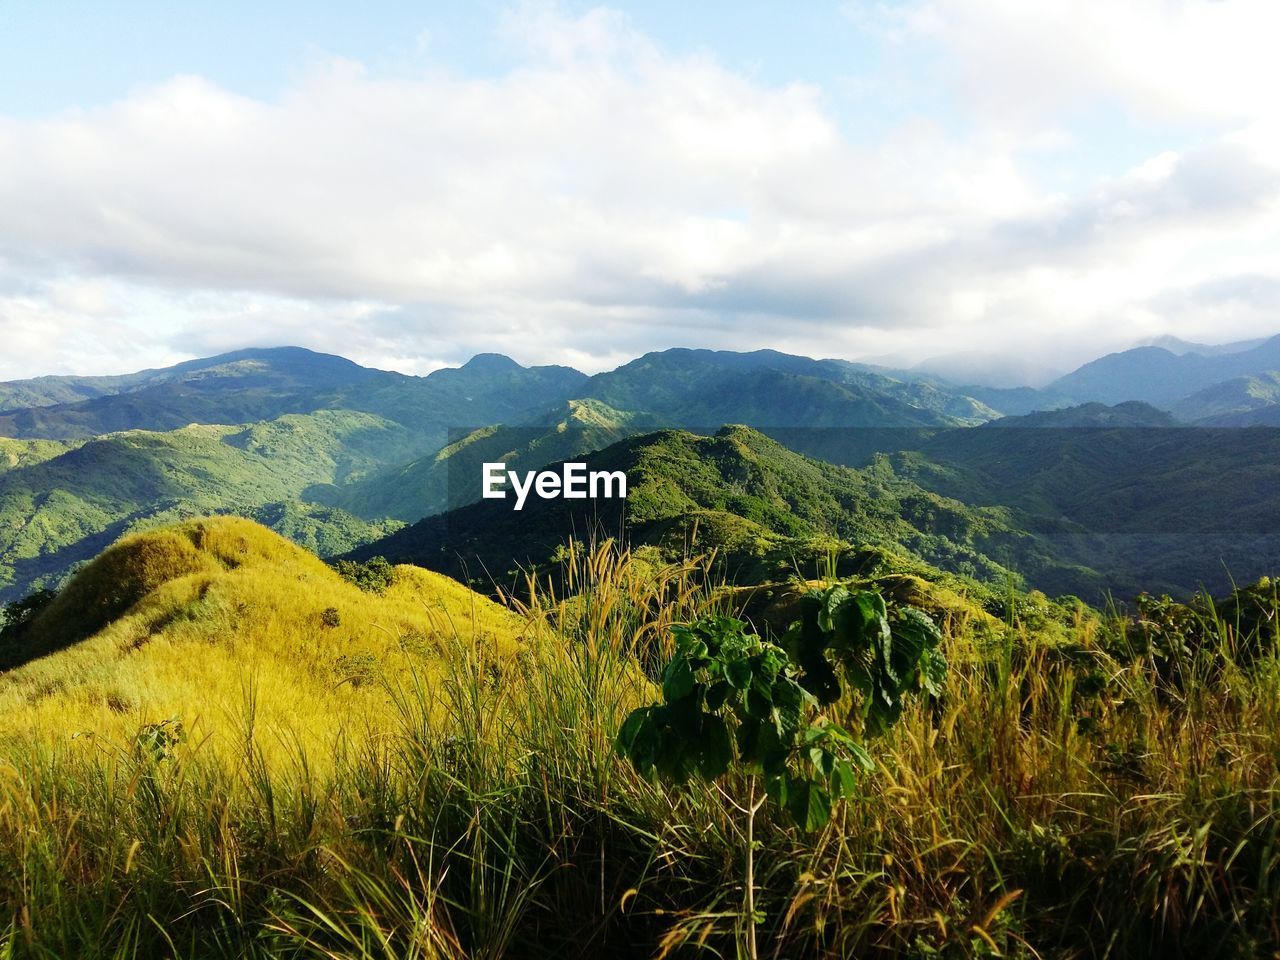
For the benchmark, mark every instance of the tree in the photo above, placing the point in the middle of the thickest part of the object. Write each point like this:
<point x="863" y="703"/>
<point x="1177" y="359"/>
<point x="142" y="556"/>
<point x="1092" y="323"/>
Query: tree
<point x="732" y="700"/>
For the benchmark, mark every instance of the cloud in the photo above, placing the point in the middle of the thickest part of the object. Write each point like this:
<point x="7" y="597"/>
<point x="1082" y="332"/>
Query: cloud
<point x="604" y="197"/>
<point x="1197" y="61"/>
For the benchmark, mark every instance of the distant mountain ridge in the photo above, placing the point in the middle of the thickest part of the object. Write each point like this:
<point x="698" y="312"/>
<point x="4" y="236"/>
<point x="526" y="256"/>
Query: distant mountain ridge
<point x="261" y="384"/>
<point x="334" y="454"/>
<point x="61" y="390"/>
<point x="1160" y="377"/>
<point x="1149" y="503"/>
<point x="1241" y="401"/>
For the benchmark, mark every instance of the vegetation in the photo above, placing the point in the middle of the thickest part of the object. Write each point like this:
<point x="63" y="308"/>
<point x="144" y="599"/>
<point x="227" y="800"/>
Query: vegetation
<point x="1067" y="793"/>
<point x="447" y="478"/>
<point x="764" y="510"/>
<point x="701" y="389"/>
<point x="780" y="708"/>
<point x="64" y="510"/>
<point x="735" y="701"/>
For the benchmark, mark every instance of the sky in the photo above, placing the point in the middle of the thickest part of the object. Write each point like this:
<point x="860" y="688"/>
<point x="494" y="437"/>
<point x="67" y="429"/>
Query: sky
<point x="408" y="184"/>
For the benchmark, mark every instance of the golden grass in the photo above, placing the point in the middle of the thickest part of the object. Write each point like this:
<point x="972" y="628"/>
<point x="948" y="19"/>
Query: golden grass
<point x="218" y="619"/>
<point x="1065" y="798"/>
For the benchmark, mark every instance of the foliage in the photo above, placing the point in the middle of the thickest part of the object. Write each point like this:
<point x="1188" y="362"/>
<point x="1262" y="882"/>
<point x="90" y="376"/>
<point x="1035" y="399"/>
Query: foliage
<point x="763" y="510"/>
<point x="472" y="804"/>
<point x="65" y="510"/>
<point x="18" y="614"/>
<point x="732" y="700"/>
<point x="883" y="656"/>
<point x="373" y="575"/>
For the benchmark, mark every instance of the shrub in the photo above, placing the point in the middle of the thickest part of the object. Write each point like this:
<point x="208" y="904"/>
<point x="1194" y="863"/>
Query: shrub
<point x="373" y="576"/>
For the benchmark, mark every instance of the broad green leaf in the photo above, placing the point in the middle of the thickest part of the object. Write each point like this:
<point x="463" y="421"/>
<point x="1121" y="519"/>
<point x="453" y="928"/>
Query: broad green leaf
<point x="862" y="758"/>
<point x="715" y="752"/>
<point x="843" y="780"/>
<point x="677" y="679"/>
<point x="627" y="732"/>
<point x="738" y="673"/>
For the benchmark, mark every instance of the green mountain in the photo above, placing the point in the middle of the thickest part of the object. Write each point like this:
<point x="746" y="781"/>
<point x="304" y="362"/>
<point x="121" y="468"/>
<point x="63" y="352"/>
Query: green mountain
<point x="22" y="453"/>
<point x="673" y="388"/>
<point x="1122" y="490"/>
<point x="1161" y="377"/>
<point x="55" y="390"/>
<point x="59" y="511"/>
<point x="702" y="388"/>
<point x="765" y="509"/>
<point x="254" y="385"/>
<point x="1237" y="402"/>
<point x="447" y="478"/>
<point x="1131" y="414"/>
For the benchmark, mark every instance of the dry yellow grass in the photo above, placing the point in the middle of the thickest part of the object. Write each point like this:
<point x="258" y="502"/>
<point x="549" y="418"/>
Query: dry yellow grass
<point x="217" y="620"/>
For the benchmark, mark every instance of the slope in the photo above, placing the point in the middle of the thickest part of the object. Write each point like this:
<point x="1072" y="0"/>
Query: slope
<point x="448" y="478"/>
<point x="1158" y="508"/>
<point x="765" y="509"/>
<point x="1236" y="402"/>
<point x="1159" y="376"/>
<point x="230" y="630"/>
<point x="287" y="363"/>
<point x="698" y="389"/>
<point x="64" y="510"/>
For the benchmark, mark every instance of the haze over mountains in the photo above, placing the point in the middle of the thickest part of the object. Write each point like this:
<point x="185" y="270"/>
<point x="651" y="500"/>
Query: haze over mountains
<point x="337" y="456"/>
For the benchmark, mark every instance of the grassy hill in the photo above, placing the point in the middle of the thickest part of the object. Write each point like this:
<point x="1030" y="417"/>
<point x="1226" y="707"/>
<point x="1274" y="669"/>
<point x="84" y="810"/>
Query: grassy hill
<point x="224" y="749"/>
<point x="219" y="623"/>
<point x="65" y="509"/>
<point x="765" y="509"/>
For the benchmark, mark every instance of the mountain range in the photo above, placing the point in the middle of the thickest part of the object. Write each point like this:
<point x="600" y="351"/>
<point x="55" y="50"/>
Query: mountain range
<point x="337" y="456"/>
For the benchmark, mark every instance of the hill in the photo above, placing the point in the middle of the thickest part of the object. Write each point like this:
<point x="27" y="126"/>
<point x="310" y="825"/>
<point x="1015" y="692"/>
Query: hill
<point x="15" y="454"/>
<point x="287" y="364"/>
<point x="1131" y="414"/>
<point x="218" y="624"/>
<point x="1161" y="377"/>
<point x="252" y="385"/>
<point x="699" y="389"/>
<point x="1237" y="402"/>
<point x="446" y="478"/>
<point x="62" y="510"/>
<point x="1148" y="504"/>
<point x="765" y="509"/>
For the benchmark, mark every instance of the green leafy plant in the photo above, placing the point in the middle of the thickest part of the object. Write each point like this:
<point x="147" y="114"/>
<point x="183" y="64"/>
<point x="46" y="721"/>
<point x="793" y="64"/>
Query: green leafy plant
<point x="373" y="575"/>
<point x="732" y="700"/>
<point x="156" y="742"/>
<point x="17" y="614"/>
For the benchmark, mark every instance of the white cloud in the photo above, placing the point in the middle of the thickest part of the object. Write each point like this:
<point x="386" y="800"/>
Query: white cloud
<point x="1179" y="60"/>
<point x="603" y="198"/>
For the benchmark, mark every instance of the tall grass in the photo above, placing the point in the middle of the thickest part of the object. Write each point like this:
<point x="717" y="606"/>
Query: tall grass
<point x="1075" y="799"/>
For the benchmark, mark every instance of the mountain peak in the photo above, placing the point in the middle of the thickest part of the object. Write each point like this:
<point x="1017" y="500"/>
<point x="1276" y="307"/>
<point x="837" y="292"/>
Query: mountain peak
<point x="491" y="363"/>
